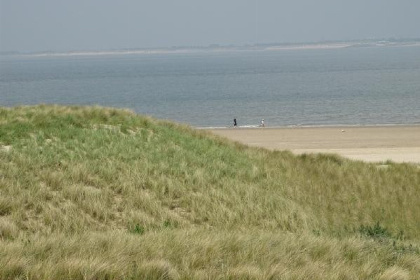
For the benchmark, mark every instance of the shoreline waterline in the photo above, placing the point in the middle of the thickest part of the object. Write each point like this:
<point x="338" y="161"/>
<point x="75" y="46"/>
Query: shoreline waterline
<point x="304" y="126"/>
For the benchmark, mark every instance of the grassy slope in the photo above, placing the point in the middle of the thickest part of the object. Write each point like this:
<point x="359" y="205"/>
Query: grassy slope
<point x="94" y="193"/>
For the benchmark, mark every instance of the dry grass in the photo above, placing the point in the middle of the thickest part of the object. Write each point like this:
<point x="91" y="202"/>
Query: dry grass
<point x="205" y="254"/>
<point x="96" y="193"/>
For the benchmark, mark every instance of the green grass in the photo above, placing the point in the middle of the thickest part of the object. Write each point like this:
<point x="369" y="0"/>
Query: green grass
<point x="100" y="193"/>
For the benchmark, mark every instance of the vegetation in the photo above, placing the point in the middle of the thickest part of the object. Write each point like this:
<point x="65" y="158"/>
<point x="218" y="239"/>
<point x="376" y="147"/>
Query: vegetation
<point x="97" y="193"/>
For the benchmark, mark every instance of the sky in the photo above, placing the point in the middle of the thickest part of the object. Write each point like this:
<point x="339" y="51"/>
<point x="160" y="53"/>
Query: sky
<point x="71" y="25"/>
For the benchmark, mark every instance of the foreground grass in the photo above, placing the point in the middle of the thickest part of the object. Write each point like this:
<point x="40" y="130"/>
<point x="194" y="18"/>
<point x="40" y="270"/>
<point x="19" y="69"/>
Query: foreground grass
<point x="95" y="193"/>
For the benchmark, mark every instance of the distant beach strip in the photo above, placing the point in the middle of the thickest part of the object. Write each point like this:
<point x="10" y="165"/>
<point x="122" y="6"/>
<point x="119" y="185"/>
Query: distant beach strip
<point x="221" y="48"/>
<point x="367" y="143"/>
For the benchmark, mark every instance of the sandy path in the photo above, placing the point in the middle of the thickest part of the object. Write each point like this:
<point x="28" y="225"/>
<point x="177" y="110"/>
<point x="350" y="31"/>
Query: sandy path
<point x="373" y="144"/>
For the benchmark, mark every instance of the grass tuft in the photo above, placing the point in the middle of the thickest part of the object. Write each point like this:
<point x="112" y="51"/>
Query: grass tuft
<point x="138" y="229"/>
<point x="375" y="231"/>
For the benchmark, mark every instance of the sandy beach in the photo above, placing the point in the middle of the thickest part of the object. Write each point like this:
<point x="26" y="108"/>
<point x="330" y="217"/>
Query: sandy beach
<point x="370" y="143"/>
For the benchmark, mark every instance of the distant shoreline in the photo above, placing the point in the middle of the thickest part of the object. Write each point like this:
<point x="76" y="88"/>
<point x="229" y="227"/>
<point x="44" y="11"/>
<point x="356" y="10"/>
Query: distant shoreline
<point x="221" y="48"/>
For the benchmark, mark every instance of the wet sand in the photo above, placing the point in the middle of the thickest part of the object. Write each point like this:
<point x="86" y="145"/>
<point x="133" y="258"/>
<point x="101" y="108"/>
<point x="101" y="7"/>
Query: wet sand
<point x="367" y="143"/>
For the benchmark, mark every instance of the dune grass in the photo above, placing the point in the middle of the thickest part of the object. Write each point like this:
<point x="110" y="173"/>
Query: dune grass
<point x="100" y="193"/>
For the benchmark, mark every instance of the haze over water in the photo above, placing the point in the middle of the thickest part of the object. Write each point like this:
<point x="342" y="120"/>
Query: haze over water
<point x="352" y="86"/>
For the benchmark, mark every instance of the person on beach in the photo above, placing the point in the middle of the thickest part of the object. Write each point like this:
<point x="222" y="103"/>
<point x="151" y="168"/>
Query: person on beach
<point x="262" y="123"/>
<point x="234" y="122"/>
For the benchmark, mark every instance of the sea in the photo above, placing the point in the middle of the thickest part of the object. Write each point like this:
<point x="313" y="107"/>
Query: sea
<point x="289" y="87"/>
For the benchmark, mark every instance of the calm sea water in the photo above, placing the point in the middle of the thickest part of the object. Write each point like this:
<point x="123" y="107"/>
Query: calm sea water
<point x="352" y="86"/>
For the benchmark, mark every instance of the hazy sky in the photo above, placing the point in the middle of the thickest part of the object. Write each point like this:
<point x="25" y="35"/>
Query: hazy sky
<point x="63" y="25"/>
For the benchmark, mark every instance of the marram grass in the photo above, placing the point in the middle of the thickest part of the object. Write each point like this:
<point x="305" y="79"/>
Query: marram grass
<point x="99" y="193"/>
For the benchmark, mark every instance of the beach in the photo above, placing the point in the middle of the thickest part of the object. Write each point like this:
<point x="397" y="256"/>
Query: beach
<point x="366" y="143"/>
